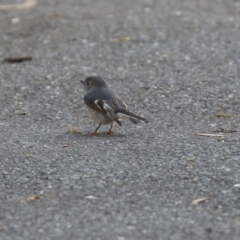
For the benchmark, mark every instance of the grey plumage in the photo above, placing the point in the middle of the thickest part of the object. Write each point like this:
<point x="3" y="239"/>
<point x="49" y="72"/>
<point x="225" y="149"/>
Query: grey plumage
<point x="104" y="104"/>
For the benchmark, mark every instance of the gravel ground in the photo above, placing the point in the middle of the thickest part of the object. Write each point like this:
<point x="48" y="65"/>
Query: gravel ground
<point x="175" y="62"/>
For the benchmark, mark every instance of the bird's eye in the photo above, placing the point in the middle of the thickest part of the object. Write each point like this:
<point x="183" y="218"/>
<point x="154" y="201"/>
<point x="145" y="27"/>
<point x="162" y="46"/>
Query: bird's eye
<point x="88" y="83"/>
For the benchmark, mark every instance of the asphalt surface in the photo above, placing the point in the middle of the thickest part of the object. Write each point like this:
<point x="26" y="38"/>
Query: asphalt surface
<point x="174" y="62"/>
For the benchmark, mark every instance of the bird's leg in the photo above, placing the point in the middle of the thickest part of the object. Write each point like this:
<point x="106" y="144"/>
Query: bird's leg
<point x="95" y="132"/>
<point x="109" y="132"/>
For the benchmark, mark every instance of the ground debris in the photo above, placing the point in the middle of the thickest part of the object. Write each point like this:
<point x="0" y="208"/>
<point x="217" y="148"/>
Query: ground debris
<point x="41" y="195"/>
<point x="120" y="39"/>
<point x="223" y="115"/>
<point x="33" y="198"/>
<point x="199" y="200"/>
<point x="91" y="197"/>
<point x="17" y="59"/>
<point x="73" y="131"/>
<point x="191" y="159"/>
<point x="223" y="130"/>
<point x="18" y="6"/>
<point x="209" y="135"/>
<point x="63" y="145"/>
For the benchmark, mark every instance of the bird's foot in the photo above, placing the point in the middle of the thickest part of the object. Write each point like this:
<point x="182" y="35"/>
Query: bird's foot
<point x="110" y="132"/>
<point x="94" y="133"/>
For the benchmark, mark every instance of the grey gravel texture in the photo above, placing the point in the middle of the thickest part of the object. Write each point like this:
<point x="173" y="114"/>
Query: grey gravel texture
<point x="176" y="63"/>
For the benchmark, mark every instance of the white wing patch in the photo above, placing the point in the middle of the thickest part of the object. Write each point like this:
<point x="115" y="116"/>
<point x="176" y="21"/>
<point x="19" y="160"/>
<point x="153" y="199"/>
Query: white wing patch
<point x="122" y="103"/>
<point x="109" y="109"/>
<point x="101" y="104"/>
<point x="96" y="103"/>
<point x="126" y="107"/>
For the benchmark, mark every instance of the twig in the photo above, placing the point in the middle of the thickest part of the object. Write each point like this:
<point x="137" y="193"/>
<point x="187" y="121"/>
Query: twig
<point x="17" y="59"/>
<point x="19" y="6"/>
<point x="209" y="135"/>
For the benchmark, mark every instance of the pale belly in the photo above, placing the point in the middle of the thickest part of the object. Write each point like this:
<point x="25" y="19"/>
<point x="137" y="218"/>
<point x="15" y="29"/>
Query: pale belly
<point x="97" y="117"/>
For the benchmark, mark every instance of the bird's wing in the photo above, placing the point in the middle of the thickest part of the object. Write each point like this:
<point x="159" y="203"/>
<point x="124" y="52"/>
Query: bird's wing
<point x="122" y="103"/>
<point x="124" y="106"/>
<point x="102" y="106"/>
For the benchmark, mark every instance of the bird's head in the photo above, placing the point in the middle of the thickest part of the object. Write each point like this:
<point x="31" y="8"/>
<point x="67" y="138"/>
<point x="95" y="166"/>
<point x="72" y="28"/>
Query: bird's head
<point x="93" y="82"/>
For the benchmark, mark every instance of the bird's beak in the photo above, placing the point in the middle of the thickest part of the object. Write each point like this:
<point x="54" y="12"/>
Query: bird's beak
<point x="82" y="82"/>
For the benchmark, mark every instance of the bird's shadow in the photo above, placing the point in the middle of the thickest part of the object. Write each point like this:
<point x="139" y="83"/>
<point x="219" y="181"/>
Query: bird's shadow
<point x="93" y="136"/>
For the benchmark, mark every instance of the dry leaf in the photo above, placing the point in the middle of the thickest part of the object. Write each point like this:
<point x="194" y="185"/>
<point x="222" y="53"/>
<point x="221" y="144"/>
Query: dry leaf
<point x="199" y="200"/>
<point x="192" y="159"/>
<point x="65" y="145"/>
<point x="120" y="39"/>
<point x="223" y="115"/>
<point x="34" y="198"/>
<point x="73" y="131"/>
<point x="17" y="59"/>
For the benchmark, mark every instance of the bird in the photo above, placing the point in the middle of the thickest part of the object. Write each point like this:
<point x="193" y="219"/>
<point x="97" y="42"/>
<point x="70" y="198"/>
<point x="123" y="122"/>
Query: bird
<point x="104" y="105"/>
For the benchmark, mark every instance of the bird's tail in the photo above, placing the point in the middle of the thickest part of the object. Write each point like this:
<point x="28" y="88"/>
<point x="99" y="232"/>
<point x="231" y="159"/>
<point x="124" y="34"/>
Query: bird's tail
<point x="131" y="115"/>
<point x="134" y="120"/>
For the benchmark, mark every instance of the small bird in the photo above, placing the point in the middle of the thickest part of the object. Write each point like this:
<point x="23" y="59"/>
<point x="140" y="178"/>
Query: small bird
<point x="104" y="105"/>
